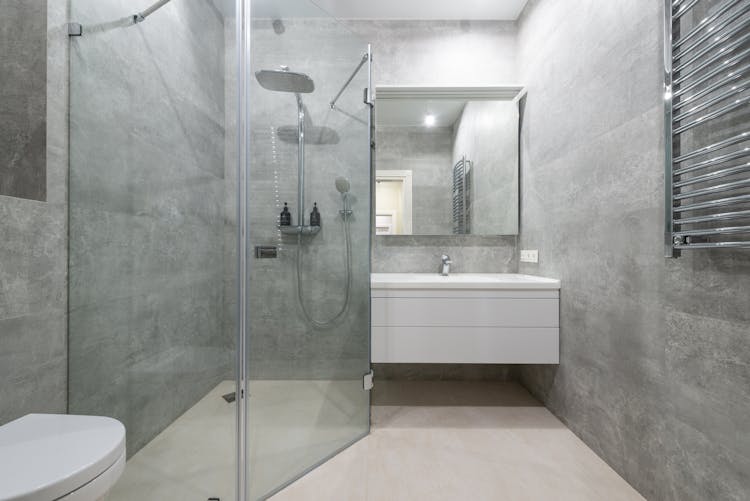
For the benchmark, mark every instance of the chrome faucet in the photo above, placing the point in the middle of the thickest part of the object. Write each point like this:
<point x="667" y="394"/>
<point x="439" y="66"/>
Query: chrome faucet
<point x="446" y="265"/>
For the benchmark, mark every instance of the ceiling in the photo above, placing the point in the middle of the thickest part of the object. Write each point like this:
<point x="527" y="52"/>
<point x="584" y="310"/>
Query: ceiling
<point x="503" y="10"/>
<point x="411" y="113"/>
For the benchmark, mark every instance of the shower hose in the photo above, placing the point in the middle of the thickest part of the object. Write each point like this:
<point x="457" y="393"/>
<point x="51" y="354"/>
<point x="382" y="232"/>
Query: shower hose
<point x="300" y="297"/>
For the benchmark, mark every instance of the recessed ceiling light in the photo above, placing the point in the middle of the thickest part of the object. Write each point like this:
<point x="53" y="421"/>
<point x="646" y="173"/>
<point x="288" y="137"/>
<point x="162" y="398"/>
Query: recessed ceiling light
<point x="429" y="120"/>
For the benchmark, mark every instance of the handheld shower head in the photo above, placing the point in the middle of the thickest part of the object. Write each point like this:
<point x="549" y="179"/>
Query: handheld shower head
<point x="342" y="184"/>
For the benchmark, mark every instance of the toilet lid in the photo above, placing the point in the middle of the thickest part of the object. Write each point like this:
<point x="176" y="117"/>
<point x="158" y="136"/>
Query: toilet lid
<point x="46" y="456"/>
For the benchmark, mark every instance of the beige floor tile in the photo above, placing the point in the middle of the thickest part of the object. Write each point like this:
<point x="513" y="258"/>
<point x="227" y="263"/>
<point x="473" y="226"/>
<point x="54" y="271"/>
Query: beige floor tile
<point x="429" y="441"/>
<point x="344" y="478"/>
<point x="462" y="441"/>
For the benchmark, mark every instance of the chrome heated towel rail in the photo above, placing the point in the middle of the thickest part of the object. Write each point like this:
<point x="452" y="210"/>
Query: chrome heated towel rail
<point x="707" y="124"/>
<point x="462" y="172"/>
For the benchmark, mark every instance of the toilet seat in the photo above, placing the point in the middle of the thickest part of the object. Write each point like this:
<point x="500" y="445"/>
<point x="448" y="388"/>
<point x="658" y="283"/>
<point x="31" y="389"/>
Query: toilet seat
<point x="45" y="457"/>
<point x="97" y="488"/>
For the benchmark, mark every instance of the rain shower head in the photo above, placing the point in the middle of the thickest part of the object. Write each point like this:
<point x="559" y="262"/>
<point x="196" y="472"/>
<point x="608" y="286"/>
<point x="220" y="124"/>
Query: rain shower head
<point x="342" y="184"/>
<point x="285" y="81"/>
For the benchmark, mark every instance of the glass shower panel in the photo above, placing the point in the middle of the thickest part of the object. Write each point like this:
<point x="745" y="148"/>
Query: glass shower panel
<point x="153" y="237"/>
<point x="308" y="345"/>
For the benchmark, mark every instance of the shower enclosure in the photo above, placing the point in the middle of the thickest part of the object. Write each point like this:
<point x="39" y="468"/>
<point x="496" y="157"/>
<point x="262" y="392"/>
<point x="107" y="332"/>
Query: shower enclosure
<point x="233" y="347"/>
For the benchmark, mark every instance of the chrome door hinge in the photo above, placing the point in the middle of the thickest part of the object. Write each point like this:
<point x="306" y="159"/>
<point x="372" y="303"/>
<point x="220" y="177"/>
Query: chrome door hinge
<point x="367" y="382"/>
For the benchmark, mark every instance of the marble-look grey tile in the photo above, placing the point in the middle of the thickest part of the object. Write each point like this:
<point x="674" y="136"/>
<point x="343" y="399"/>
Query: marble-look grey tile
<point x="33" y="245"/>
<point x="33" y="364"/>
<point x="421" y="254"/>
<point x="148" y="215"/>
<point x="23" y="90"/>
<point x="653" y="371"/>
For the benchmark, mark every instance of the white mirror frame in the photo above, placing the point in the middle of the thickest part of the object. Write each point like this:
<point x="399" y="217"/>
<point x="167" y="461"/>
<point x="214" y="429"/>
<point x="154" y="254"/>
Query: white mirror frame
<point x="471" y="93"/>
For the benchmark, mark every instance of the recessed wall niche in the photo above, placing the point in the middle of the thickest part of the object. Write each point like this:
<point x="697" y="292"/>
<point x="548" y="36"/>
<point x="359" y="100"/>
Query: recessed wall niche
<point x="23" y="99"/>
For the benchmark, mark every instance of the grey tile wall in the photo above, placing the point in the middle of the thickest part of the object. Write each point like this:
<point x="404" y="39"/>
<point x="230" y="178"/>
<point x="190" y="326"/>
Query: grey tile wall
<point x="33" y="257"/>
<point x="654" y="371"/>
<point x="421" y="254"/>
<point x="441" y="53"/>
<point x="23" y="98"/>
<point x="148" y="213"/>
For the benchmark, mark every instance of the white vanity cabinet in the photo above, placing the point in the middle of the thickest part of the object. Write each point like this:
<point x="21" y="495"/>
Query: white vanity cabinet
<point x="465" y="318"/>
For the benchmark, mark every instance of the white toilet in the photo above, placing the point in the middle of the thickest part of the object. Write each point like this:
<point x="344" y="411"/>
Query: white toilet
<point x="46" y="457"/>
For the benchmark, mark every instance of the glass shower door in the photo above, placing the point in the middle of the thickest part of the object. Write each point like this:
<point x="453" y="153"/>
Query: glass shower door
<point x="153" y="238"/>
<point x="308" y="292"/>
<point x="153" y="223"/>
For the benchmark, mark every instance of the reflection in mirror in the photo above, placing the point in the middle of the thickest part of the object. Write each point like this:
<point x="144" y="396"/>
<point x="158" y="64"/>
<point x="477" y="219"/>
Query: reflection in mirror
<point x="393" y="190"/>
<point x="446" y="161"/>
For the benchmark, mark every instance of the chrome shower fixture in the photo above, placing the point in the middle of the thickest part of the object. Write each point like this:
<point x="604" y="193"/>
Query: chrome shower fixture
<point x="283" y="80"/>
<point x="141" y="16"/>
<point x="342" y="185"/>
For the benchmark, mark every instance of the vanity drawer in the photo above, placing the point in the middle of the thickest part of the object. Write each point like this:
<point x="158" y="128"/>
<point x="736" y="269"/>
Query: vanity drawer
<point x="465" y="312"/>
<point x="470" y="319"/>
<point x="470" y="345"/>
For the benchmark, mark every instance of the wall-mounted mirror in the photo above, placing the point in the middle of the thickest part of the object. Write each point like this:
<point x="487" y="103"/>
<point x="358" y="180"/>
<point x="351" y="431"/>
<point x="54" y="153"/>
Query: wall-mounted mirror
<point x="446" y="160"/>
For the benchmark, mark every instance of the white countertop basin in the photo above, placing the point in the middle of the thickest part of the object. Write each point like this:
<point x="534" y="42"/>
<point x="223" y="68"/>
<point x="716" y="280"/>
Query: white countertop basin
<point x="482" y="281"/>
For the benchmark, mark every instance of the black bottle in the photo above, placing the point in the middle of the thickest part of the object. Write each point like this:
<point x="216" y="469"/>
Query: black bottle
<point x="285" y="219"/>
<point x="315" y="216"/>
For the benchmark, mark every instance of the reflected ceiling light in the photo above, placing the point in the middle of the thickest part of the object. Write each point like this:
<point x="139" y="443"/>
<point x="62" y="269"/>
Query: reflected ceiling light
<point x="429" y="120"/>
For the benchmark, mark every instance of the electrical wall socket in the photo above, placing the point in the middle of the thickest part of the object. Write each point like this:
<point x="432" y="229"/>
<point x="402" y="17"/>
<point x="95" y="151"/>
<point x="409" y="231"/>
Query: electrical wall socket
<point x="530" y="256"/>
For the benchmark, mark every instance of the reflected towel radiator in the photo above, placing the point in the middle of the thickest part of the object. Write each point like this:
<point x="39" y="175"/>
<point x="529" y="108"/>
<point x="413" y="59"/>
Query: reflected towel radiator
<point x="462" y="197"/>
<point x="707" y="124"/>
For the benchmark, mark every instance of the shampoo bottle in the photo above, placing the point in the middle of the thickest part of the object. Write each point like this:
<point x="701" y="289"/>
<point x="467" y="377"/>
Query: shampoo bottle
<point x="285" y="218"/>
<point x="315" y="216"/>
